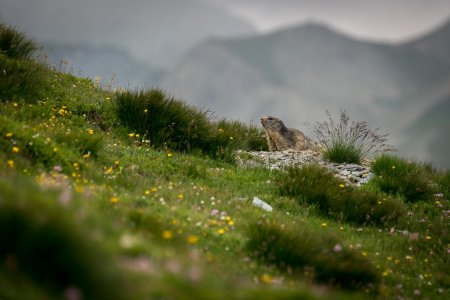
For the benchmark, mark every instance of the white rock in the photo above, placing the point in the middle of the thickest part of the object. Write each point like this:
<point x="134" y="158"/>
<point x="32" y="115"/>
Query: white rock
<point x="259" y="203"/>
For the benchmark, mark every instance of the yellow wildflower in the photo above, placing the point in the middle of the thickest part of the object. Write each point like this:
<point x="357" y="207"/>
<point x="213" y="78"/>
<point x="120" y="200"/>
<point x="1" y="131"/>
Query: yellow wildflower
<point x="167" y="234"/>
<point x="266" y="278"/>
<point x="11" y="163"/>
<point x="169" y="154"/>
<point x="192" y="239"/>
<point x="90" y="131"/>
<point x="131" y="134"/>
<point x="220" y="231"/>
<point x="180" y="196"/>
<point x="114" y="199"/>
<point x="145" y="110"/>
<point x="342" y="185"/>
<point x="15" y="149"/>
<point x="109" y="170"/>
<point x="324" y="224"/>
<point x="9" y="134"/>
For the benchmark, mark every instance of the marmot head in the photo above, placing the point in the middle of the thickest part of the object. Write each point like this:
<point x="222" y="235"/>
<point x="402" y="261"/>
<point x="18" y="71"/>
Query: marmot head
<point x="272" y="123"/>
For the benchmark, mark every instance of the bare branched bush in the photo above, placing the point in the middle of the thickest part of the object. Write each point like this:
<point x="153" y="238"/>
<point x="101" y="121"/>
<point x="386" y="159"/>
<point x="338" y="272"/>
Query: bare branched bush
<point x="349" y="141"/>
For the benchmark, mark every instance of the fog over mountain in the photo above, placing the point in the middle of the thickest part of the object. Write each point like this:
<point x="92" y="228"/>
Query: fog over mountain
<point x="156" y="32"/>
<point x="299" y="72"/>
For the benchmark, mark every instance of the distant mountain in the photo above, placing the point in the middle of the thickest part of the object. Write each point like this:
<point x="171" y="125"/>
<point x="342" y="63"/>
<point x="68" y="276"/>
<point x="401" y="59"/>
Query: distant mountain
<point x="299" y="72"/>
<point x="435" y="44"/>
<point x="110" y="64"/>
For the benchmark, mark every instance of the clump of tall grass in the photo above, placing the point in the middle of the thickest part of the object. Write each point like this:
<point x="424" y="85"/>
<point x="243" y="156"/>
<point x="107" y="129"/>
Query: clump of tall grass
<point x="20" y="77"/>
<point x="298" y="249"/>
<point x="171" y="123"/>
<point x="317" y="186"/>
<point x="349" y="142"/>
<point x="15" y="44"/>
<point x="397" y="176"/>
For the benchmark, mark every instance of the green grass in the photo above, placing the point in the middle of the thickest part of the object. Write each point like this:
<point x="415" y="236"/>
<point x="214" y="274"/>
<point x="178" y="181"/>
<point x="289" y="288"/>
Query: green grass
<point x="166" y="122"/>
<point x="84" y="205"/>
<point x="15" y="44"/>
<point x="333" y="197"/>
<point x="311" y="253"/>
<point x="397" y="176"/>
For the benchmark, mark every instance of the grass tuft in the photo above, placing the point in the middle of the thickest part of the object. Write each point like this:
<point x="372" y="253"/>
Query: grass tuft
<point x="397" y="176"/>
<point x="349" y="142"/>
<point x="15" y="44"/>
<point x="317" y="186"/>
<point x="298" y="249"/>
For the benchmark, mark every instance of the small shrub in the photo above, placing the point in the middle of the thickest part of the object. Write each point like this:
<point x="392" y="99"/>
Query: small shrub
<point x="296" y="248"/>
<point x="397" y="176"/>
<point x="15" y="44"/>
<point x="317" y="186"/>
<point x="349" y="142"/>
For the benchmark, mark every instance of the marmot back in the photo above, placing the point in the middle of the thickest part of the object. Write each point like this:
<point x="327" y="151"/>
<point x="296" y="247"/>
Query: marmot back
<point x="280" y="138"/>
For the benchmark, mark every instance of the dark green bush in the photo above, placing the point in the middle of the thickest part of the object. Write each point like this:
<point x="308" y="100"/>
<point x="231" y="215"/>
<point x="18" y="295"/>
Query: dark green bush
<point x="42" y="240"/>
<point x="296" y="248"/>
<point x="172" y="123"/>
<point x="15" y="44"/>
<point x="399" y="177"/>
<point x="317" y="186"/>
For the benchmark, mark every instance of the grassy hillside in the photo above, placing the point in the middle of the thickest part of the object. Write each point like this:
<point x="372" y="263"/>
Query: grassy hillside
<point x="135" y="195"/>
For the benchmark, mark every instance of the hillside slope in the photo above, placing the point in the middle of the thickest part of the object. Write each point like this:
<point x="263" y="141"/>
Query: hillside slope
<point x="135" y="195"/>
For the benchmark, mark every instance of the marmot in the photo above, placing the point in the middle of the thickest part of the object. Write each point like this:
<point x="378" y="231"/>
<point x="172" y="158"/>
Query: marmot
<point x="281" y="138"/>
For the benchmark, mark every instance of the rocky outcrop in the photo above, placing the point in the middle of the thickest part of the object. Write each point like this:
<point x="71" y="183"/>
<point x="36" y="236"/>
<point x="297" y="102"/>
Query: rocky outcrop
<point x="351" y="173"/>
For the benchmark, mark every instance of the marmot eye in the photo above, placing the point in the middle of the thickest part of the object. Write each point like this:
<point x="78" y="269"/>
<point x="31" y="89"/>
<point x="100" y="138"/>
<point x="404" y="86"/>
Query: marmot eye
<point x="270" y="118"/>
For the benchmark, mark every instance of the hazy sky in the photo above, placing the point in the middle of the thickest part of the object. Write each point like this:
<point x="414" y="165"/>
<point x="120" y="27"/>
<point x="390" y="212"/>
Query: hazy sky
<point x="159" y="32"/>
<point x="389" y="20"/>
